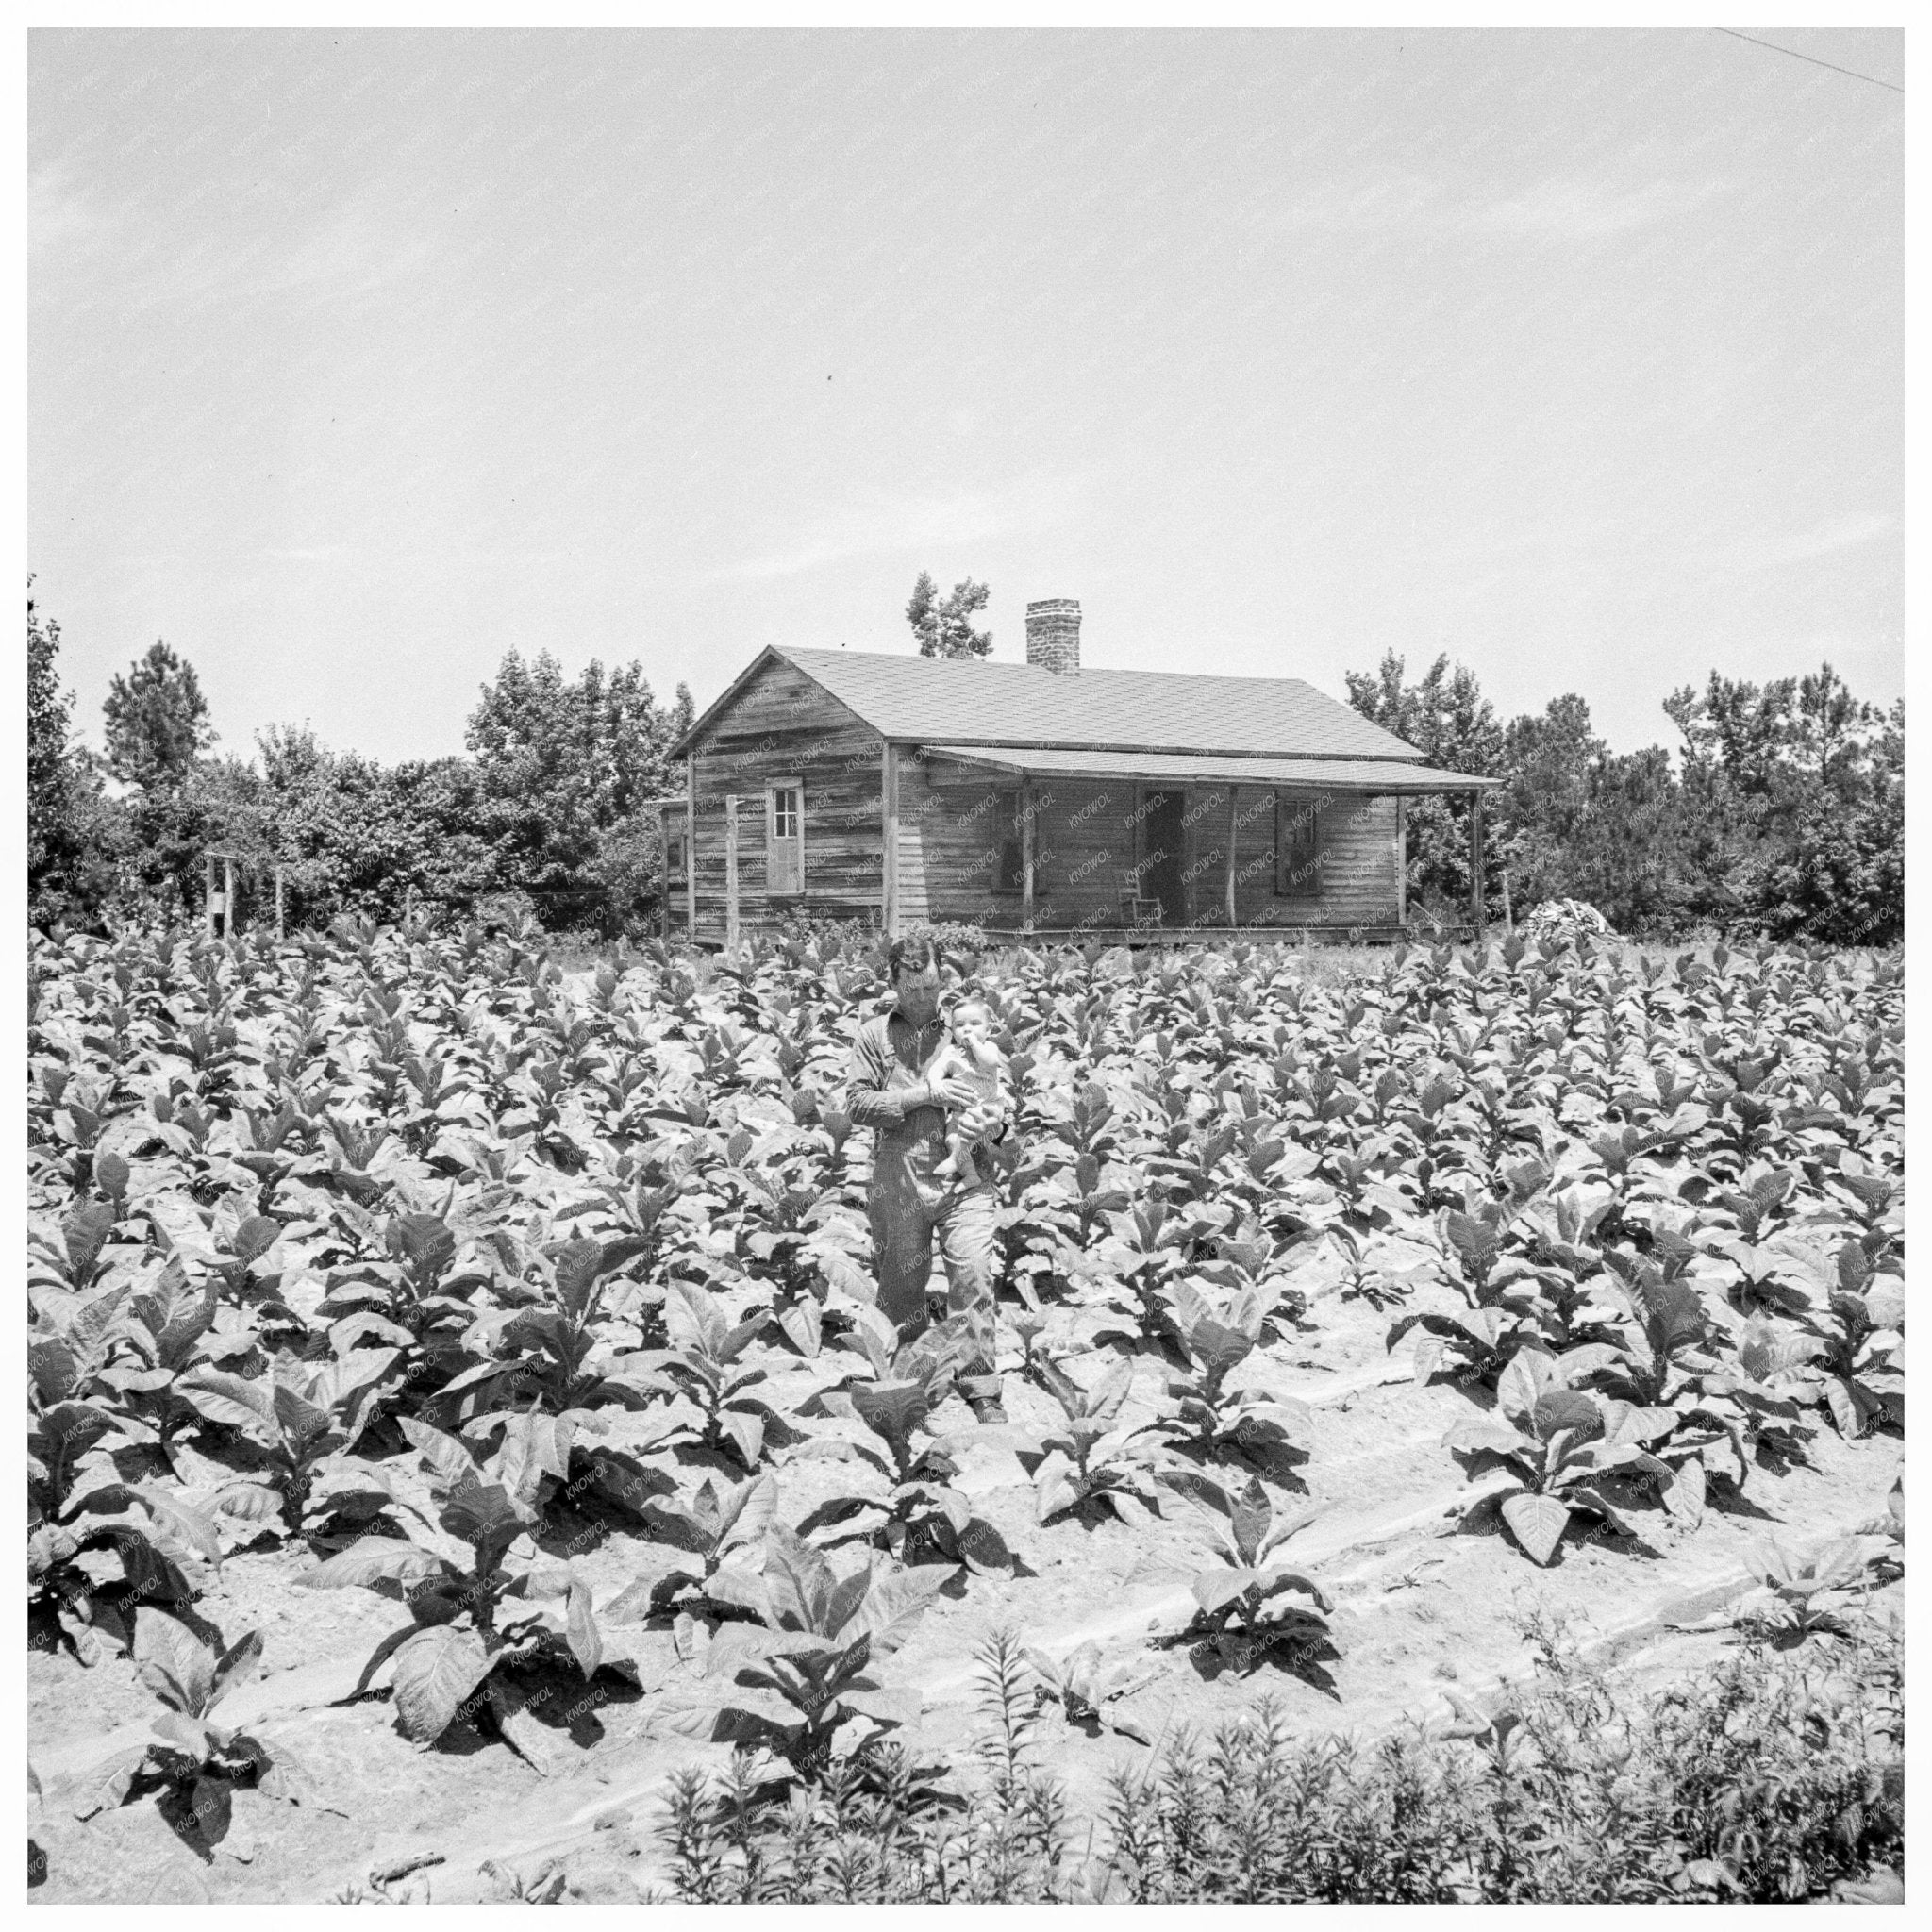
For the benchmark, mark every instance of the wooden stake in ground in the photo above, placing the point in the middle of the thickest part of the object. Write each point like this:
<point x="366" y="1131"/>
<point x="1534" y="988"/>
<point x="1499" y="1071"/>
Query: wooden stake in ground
<point x="663" y="875"/>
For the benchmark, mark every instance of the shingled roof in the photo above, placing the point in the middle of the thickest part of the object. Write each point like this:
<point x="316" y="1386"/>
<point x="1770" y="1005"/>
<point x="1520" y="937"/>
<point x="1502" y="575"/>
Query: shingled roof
<point x="966" y="702"/>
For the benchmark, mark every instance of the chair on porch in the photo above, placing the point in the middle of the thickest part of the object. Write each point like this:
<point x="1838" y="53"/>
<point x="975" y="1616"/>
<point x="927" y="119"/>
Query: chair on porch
<point x="1137" y="908"/>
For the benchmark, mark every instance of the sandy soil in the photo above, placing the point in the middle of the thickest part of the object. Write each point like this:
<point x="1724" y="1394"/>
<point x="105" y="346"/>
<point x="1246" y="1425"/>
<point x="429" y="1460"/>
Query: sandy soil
<point x="1422" y="1601"/>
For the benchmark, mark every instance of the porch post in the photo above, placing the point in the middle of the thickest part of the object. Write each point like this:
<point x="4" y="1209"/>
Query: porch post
<point x="1028" y="844"/>
<point x="889" y="833"/>
<point x="1227" y="870"/>
<point x="281" y="923"/>
<point x="228" y="899"/>
<point x="207" y="893"/>
<point x="1476" y="863"/>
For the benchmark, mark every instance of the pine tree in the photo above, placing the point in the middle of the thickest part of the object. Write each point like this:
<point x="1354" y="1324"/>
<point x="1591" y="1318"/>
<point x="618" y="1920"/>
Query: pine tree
<point x="157" y="722"/>
<point x="944" y="625"/>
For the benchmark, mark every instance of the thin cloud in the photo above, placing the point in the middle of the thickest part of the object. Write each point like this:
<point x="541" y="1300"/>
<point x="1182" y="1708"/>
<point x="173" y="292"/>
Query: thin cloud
<point x="60" y="213"/>
<point x="1582" y="211"/>
<point x="350" y="252"/>
<point x="1363" y="204"/>
<point x="1571" y="208"/>
<point x="1852" y="531"/>
<point x="1839" y="533"/>
<point x="888" y="525"/>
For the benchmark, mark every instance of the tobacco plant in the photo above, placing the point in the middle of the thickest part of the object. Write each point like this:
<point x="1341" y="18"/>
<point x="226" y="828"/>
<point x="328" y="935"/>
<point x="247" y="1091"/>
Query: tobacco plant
<point x="1252" y="1603"/>
<point x="705" y="1368"/>
<point x="809" y="1666"/>
<point x="304" y="1423"/>
<point x="919" y="1511"/>
<point x="1559" y="1446"/>
<point x="196" y="1763"/>
<point x="1209" y="1417"/>
<point x="467" y="1589"/>
<point x="1090" y="1461"/>
<point x="712" y="1526"/>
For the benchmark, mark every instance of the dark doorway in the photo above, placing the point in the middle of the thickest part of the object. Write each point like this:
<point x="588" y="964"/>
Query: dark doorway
<point x="1162" y="843"/>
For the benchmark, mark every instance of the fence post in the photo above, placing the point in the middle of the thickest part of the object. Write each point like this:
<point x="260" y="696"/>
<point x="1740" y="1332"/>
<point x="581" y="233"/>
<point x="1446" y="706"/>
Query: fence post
<point x="663" y="875"/>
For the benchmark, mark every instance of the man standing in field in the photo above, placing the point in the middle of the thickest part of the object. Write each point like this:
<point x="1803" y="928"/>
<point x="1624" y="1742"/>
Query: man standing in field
<point x="909" y="1204"/>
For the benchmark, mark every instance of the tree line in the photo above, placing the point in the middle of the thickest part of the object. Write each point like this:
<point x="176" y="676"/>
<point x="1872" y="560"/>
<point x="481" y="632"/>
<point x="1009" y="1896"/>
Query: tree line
<point x="1782" y="814"/>
<point x="546" y="803"/>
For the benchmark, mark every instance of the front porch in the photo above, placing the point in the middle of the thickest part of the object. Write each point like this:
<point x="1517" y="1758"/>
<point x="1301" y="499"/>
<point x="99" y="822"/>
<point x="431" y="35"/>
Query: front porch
<point x="1222" y="935"/>
<point x="1152" y="848"/>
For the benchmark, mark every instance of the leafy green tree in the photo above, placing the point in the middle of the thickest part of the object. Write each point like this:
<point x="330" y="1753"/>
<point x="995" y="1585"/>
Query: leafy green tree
<point x="1445" y="716"/>
<point x="157" y="720"/>
<point x="944" y="625"/>
<point x="70" y="842"/>
<point x="1547" y="798"/>
<point x="355" y="836"/>
<point x="1792" y="809"/>
<point x="1623" y="854"/>
<point x="563" y="768"/>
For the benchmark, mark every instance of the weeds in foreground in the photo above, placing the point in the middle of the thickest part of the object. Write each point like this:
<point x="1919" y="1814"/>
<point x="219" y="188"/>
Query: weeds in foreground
<point x="1776" y="1777"/>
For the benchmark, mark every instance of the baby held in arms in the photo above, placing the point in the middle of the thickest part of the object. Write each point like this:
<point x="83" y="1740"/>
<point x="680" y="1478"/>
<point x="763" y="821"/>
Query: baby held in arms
<point x="970" y="1057"/>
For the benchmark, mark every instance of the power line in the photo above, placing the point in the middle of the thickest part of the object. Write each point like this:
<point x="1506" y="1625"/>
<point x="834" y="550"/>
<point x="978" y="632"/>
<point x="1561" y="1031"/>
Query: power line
<point x="1811" y="57"/>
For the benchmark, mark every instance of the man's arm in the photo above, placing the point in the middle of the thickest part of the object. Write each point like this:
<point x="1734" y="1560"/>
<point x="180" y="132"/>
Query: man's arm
<point x="870" y="1100"/>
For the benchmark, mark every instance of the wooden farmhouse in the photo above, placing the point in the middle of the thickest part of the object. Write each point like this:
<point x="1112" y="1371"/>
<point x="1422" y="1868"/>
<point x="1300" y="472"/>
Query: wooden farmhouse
<point x="1047" y="798"/>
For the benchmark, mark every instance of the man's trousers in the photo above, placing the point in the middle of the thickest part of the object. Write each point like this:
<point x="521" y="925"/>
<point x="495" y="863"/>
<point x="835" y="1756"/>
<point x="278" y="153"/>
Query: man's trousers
<point x="965" y="1224"/>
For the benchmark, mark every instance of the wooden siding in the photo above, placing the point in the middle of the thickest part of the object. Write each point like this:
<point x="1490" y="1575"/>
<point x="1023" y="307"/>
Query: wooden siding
<point x="950" y="831"/>
<point x="783" y="725"/>
<point x="950" y="826"/>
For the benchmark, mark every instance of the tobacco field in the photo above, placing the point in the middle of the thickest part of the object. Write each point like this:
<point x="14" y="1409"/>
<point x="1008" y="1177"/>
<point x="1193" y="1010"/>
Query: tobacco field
<point x="457" y="1401"/>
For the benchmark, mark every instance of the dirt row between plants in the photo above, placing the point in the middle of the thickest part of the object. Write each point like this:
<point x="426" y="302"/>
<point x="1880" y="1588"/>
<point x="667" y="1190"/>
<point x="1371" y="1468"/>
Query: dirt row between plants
<point x="1425" y="1602"/>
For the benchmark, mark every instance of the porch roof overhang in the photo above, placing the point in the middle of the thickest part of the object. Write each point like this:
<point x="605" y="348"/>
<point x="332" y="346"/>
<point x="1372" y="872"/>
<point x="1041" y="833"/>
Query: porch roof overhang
<point x="1207" y="768"/>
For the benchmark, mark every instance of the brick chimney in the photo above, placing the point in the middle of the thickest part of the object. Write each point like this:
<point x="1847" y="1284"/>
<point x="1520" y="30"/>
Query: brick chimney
<point x="1052" y="635"/>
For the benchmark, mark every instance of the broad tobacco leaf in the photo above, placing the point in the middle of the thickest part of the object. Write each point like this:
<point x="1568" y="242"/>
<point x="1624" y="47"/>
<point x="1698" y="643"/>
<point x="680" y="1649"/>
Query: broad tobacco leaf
<point x="433" y="1672"/>
<point x="1537" y="1523"/>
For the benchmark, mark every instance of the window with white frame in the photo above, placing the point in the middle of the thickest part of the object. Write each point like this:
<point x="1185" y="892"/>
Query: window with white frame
<point x="785" y="838"/>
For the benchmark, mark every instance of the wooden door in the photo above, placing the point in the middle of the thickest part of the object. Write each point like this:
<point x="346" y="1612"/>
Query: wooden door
<point x="1163" y="841"/>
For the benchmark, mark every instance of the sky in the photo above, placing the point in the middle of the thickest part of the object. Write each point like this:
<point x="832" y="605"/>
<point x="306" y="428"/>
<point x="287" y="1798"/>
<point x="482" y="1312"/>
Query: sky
<point x="357" y="361"/>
